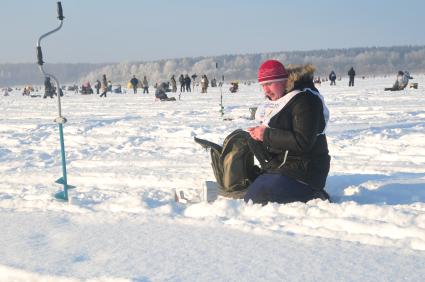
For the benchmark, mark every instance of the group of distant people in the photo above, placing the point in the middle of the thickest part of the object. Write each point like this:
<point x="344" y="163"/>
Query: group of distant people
<point x="188" y="83"/>
<point x="351" y="74"/>
<point x="103" y="86"/>
<point x="164" y="87"/>
<point x="401" y="82"/>
<point x="136" y="83"/>
<point x="185" y="82"/>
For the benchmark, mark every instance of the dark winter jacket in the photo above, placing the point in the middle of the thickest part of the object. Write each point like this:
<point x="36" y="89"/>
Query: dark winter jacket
<point x="332" y="76"/>
<point x="181" y="79"/>
<point x="187" y="80"/>
<point x="48" y="88"/>
<point x="351" y="73"/>
<point x="160" y="94"/>
<point x="134" y="81"/>
<point x="297" y="129"/>
<point x="161" y="90"/>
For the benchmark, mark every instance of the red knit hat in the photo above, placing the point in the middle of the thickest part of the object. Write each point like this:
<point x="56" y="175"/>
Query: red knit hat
<point x="271" y="71"/>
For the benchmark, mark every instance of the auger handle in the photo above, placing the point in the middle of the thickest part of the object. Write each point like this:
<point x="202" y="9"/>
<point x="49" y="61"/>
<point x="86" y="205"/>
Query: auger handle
<point x="39" y="56"/>
<point x="60" y="11"/>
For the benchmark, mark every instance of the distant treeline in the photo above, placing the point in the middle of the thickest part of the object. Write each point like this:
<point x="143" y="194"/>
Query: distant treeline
<point x="26" y="73"/>
<point x="366" y="61"/>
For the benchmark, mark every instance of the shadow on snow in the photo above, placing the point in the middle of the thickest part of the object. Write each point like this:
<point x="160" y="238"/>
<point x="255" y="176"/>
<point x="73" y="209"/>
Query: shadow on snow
<point x="395" y="189"/>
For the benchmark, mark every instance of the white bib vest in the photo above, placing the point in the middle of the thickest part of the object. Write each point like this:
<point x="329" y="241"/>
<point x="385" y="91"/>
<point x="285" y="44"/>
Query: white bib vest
<point x="267" y="110"/>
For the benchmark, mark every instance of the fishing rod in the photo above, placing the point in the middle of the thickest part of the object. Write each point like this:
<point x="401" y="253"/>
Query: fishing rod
<point x="60" y="120"/>
<point x="221" y="93"/>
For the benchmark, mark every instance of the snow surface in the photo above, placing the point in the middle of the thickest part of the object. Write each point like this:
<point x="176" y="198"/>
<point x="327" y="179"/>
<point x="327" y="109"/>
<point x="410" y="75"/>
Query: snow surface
<point x="127" y="153"/>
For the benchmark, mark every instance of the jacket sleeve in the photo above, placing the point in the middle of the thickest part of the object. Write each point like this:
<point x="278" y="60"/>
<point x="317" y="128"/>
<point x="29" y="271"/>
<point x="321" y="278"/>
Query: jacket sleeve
<point x="306" y="123"/>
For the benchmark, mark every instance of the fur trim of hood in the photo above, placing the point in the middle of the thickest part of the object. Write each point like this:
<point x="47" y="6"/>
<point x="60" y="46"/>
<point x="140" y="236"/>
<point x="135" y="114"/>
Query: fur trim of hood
<point x="300" y="76"/>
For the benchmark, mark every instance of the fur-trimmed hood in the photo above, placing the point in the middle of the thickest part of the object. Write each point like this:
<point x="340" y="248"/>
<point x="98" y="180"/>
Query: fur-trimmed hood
<point x="300" y="77"/>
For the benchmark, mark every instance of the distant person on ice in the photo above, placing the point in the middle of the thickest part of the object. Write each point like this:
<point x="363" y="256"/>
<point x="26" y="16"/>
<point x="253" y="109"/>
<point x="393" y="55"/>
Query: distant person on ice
<point x="332" y="77"/>
<point x="49" y="91"/>
<point x="351" y="75"/>
<point x="109" y="87"/>
<point x="104" y="86"/>
<point x="182" y="83"/>
<point x="401" y="82"/>
<point x="173" y="84"/>
<point x="134" y="82"/>
<point x="145" y="85"/>
<point x="204" y="84"/>
<point x="187" y="82"/>
<point x="161" y="94"/>
<point x="97" y="85"/>
<point x="292" y="131"/>
<point x="194" y="76"/>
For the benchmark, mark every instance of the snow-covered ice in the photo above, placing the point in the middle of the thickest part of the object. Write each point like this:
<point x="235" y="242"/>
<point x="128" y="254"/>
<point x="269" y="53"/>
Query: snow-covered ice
<point x="127" y="153"/>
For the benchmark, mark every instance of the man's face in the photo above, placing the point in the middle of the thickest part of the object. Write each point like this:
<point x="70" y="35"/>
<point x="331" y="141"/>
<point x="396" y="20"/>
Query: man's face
<point x="274" y="90"/>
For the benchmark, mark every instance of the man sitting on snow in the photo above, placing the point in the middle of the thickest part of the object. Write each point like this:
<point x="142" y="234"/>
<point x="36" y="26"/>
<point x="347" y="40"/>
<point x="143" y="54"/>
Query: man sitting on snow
<point x="401" y="82"/>
<point x="160" y="92"/>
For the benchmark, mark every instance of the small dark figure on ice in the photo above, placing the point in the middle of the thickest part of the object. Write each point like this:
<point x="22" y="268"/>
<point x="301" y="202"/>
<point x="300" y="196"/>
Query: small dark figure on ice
<point x="49" y="91"/>
<point x="214" y="82"/>
<point x="194" y="76"/>
<point x="97" y="86"/>
<point x="86" y="88"/>
<point x="234" y="86"/>
<point x="173" y="84"/>
<point x="145" y="85"/>
<point x="204" y="84"/>
<point x="332" y="77"/>
<point x="351" y="75"/>
<point x="182" y="83"/>
<point x="134" y="82"/>
<point x="187" y="82"/>
<point x="104" y="86"/>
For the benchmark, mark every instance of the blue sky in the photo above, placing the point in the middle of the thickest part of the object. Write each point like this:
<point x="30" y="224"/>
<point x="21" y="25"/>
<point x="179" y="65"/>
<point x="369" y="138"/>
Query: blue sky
<point x="140" y="30"/>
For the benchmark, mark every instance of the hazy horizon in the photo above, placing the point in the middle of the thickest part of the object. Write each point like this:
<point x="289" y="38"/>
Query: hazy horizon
<point x="366" y="61"/>
<point x="141" y="31"/>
